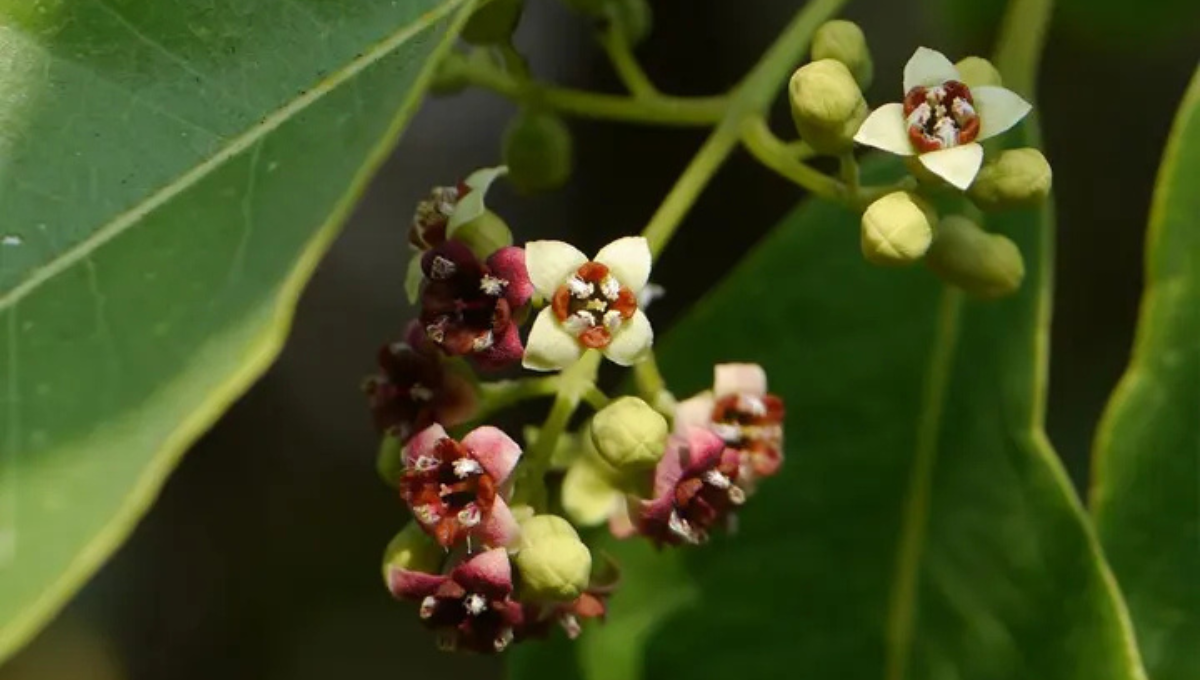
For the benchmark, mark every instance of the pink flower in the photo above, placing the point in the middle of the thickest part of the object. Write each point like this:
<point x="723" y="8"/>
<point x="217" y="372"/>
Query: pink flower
<point x="415" y="390"/>
<point x="695" y="489"/>
<point x="741" y="412"/>
<point x="468" y="307"/>
<point x="453" y="488"/>
<point x="471" y="607"/>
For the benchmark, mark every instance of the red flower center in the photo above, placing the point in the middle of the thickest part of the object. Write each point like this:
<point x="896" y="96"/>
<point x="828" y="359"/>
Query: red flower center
<point x="592" y="304"/>
<point x="703" y="500"/>
<point x="941" y="117"/>
<point x="754" y="426"/>
<point x="470" y="620"/>
<point x="449" y="492"/>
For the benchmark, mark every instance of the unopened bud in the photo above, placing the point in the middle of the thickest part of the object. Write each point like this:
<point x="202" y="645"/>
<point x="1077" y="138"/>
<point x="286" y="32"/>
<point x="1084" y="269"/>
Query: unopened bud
<point x="485" y="234"/>
<point x="493" y="23"/>
<point x="985" y="265"/>
<point x="539" y="151"/>
<point x="589" y="491"/>
<point x="413" y="550"/>
<point x="554" y="564"/>
<point x="629" y="435"/>
<point x="389" y="461"/>
<point x="897" y="229"/>
<point x="977" y="72"/>
<point x="1017" y="178"/>
<point x="827" y="105"/>
<point x="845" y="42"/>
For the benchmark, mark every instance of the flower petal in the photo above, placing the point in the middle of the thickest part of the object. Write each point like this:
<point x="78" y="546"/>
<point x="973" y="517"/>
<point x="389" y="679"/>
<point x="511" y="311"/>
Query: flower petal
<point x="694" y="412"/>
<point x="629" y="260"/>
<point x="670" y="468"/>
<point x="886" y="129"/>
<point x="549" y="263"/>
<point x="704" y="450"/>
<point x="509" y="264"/>
<point x="549" y="347"/>
<point x="423" y="443"/>
<point x="957" y="165"/>
<point x="506" y="349"/>
<point x="631" y="343"/>
<point x="495" y="451"/>
<point x="730" y="379"/>
<point x="488" y="572"/>
<point x="472" y="205"/>
<point x="588" y="497"/>
<point x="412" y="585"/>
<point x="999" y="109"/>
<point x="500" y="528"/>
<point x="927" y="68"/>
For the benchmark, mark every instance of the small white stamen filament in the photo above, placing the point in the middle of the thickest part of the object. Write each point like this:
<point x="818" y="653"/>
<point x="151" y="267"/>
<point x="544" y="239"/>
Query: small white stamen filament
<point x="680" y="527"/>
<point x="426" y="463"/>
<point x="483" y="342"/>
<point x="580" y="288"/>
<point x="962" y="110"/>
<point x="469" y="516"/>
<point x="436" y="331"/>
<point x="442" y="268"/>
<point x="426" y="515"/>
<point x="613" y="320"/>
<point x="428" y="605"/>
<point x="492" y="285"/>
<point x="578" y="322"/>
<point x="420" y="392"/>
<point x="503" y="640"/>
<point x="752" y="405"/>
<point x="736" y="495"/>
<point x="475" y="604"/>
<point x="946" y="132"/>
<point x="570" y="625"/>
<point x="717" y="479"/>
<point x="920" y="116"/>
<point x="465" y="467"/>
<point x="727" y="432"/>
<point x="610" y="287"/>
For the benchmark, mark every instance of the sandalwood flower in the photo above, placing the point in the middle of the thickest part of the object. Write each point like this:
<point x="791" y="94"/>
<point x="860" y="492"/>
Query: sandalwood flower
<point x="941" y="120"/>
<point x="593" y="304"/>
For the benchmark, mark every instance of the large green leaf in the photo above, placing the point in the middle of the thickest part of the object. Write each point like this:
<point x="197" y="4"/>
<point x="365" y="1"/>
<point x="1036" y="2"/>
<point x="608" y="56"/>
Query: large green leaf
<point x="170" y="173"/>
<point x="923" y="527"/>
<point x="1146" y="493"/>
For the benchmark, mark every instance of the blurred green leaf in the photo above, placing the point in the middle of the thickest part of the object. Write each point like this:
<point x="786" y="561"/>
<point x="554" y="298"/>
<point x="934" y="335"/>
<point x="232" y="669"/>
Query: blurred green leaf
<point x="1147" y="476"/>
<point x="922" y="527"/>
<point x="170" y="174"/>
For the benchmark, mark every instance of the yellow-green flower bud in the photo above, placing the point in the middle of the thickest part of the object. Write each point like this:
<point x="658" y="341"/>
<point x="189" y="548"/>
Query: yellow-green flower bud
<point x="590" y="491"/>
<point x="985" y="265"/>
<point x="485" y="234"/>
<point x="897" y="229"/>
<point x="827" y="105"/>
<point x="844" y="41"/>
<point x="1017" y="178"/>
<point x="977" y="72"/>
<point x="538" y="151"/>
<point x="493" y="23"/>
<point x="554" y="564"/>
<point x="629" y="435"/>
<point x="388" y="461"/>
<point x="412" y="549"/>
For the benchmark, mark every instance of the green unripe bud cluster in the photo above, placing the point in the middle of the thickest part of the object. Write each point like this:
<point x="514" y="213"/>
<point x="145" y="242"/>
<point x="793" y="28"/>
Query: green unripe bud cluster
<point x="897" y="229"/>
<point x="554" y="564"/>
<point x="1017" y="178"/>
<point x="629" y="435"/>
<point x="827" y="106"/>
<point x="985" y="265"/>
<point x="414" y="550"/>
<point x="538" y="151"/>
<point x="844" y="41"/>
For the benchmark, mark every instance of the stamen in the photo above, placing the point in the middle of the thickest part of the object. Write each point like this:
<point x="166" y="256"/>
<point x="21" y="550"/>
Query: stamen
<point x="727" y="432"/>
<point x="580" y="288"/>
<point x="571" y="625"/>
<point x="426" y="463"/>
<point x="920" y="116"/>
<point x="469" y="516"/>
<point x="946" y="132"/>
<point x="595" y="305"/>
<point x="715" y="478"/>
<point x="436" y="332"/>
<point x="483" y="342"/>
<point x="680" y="527"/>
<point x="752" y="405"/>
<point x="428" y="605"/>
<point x="579" y="322"/>
<point x="613" y="320"/>
<point x="420" y="392"/>
<point x="610" y="287"/>
<point x="736" y="495"/>
<point x="465" y="467"/>
<point x="475" y="604"/>
<point x="426" y="515"/>
<point x="442" y="268"/>
<point x="503" y="640"/>
<point x="492" y="285"/>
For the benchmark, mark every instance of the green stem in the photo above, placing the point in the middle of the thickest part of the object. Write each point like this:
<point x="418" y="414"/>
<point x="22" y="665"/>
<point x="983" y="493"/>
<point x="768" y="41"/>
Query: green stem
<point x="502" y="394"/>
<point x="654" y="110"/>
<point x="596" y="398"/>
<point x="1019" y="48"/>
<point x="780" y="157"/>
<point x="751" y="98"/>
<point x="620" y="53"/>
<point x="653" y="387"/>
<point x="848" y="170"/>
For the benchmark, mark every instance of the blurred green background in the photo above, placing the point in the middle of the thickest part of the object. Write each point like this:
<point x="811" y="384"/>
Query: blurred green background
<point x="260" y="559"/>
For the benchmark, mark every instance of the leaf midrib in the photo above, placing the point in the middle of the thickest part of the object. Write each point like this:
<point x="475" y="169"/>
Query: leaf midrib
<point x="231" y="149"/>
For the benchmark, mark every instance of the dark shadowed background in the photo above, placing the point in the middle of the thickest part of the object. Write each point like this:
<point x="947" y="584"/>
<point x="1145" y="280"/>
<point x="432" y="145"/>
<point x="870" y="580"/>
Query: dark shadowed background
<point x="260" y="559"/>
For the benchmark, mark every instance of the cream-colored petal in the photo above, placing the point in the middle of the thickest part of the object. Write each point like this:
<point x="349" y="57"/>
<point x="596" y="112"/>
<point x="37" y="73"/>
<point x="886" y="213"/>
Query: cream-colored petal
<point x="748" y="379"/>
<point x="549" y="347"/>
<point x="957" y="165"/>
<point x="472" y="205"/>
<point x="927" y="68"/>
<point x="886" y="129"/>
<point x="998" y="109"/>
<point x="694" y="412"/>
<point x="549" y="263"/>
<point x="629" y="260"/>
<point x="631" y="344"/>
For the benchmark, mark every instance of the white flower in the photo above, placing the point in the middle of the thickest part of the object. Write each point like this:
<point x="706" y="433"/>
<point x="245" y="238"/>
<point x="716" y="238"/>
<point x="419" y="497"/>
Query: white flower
<point x="591" y="303"/>
<point x="941" y="120"/>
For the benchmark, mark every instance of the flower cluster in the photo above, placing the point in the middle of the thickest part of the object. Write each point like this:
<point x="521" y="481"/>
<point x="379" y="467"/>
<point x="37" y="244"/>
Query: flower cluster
<point x="485" y="559"/>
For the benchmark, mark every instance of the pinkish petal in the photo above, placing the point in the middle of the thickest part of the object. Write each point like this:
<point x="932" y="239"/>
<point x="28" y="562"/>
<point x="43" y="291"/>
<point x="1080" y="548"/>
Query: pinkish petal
<point x="509" y="264"/>
<point x="694" y="412"/>
<point x="506" y="350"/>
<point x="413" y="585"/>
<point x="495" y="451"/>
<point x="499" y="529"/>
<point x="488" y="572"/>
<point x="704" y="449"/>
<point x="414" y="335"/>
<point x="670" y="468"/>
<point x="423" y="443"/>
<point x="730" y="379"/>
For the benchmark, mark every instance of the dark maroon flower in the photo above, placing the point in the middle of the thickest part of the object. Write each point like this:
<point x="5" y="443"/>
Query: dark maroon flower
<point x="695" y="489"/>
<point x="433" y="214"/>
<point x="471" y="608"/>
<point x="416" y="389"/>
<point x="468" y="307"/>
